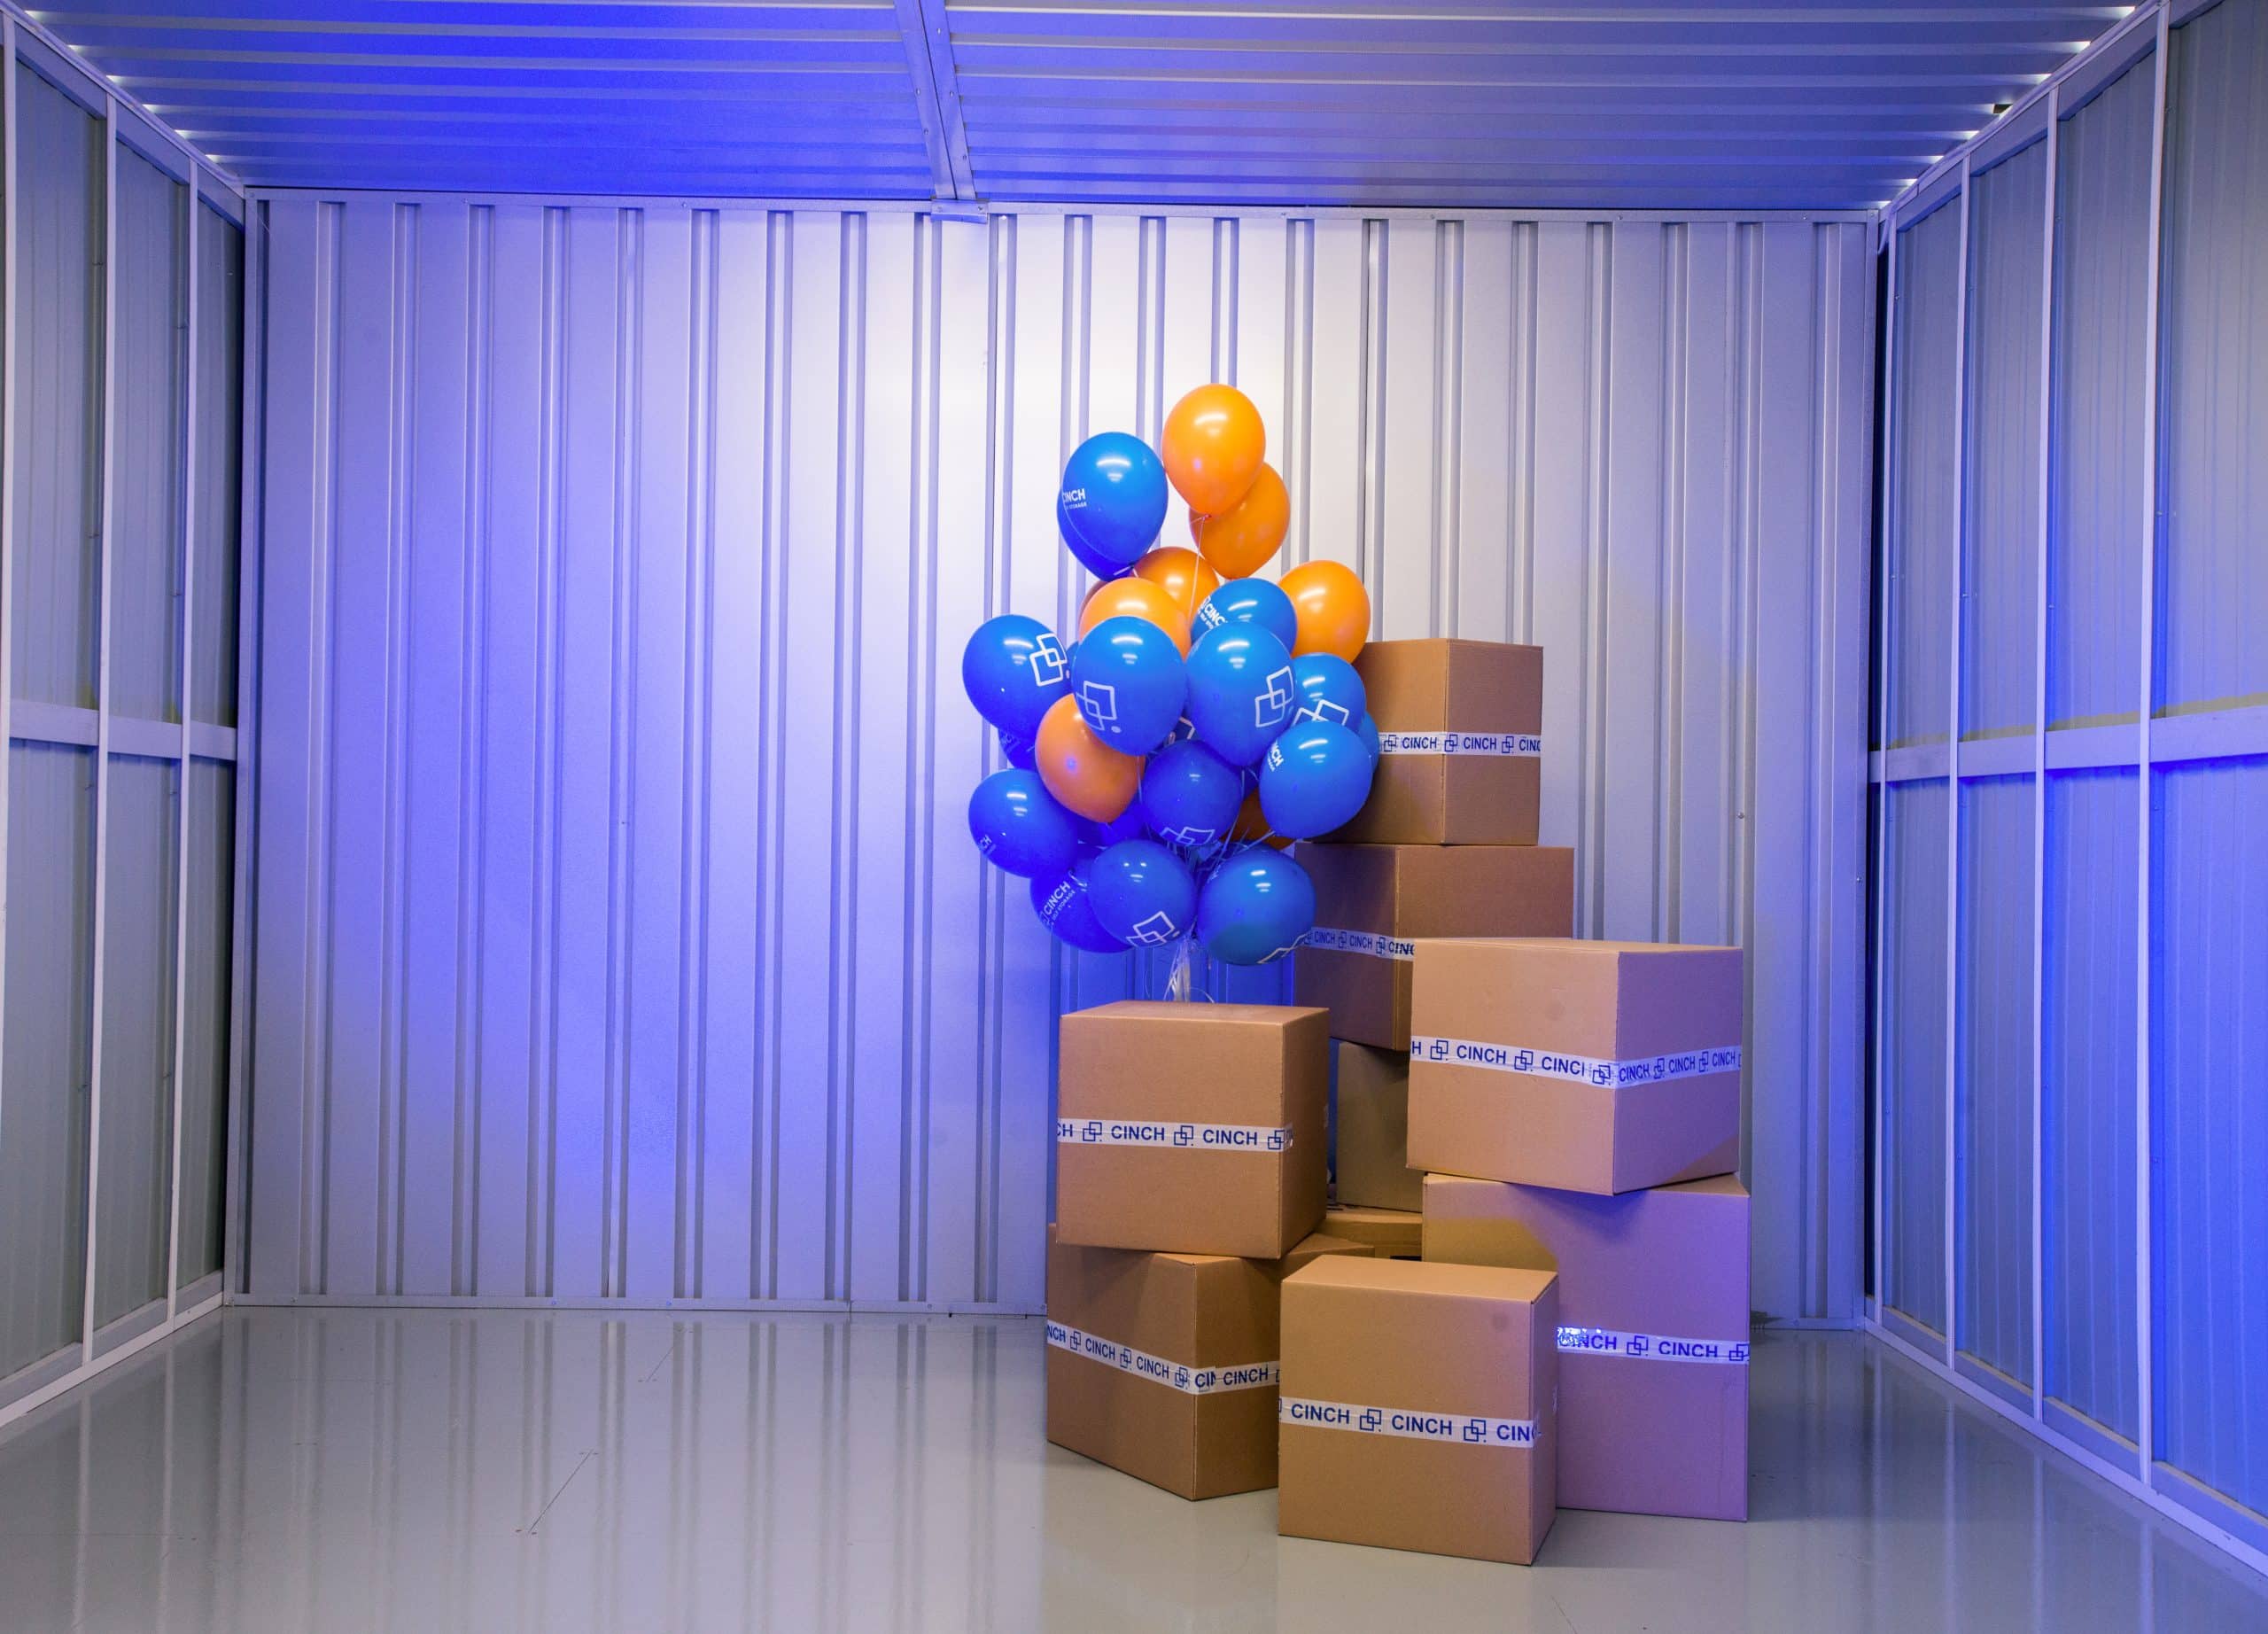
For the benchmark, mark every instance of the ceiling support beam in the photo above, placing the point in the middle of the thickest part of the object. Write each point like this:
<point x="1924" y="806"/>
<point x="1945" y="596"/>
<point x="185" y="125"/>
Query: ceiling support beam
<point x="936" y="87"/>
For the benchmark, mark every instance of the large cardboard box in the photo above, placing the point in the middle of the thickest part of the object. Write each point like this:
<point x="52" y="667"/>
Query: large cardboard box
<point x="1373" y="901"/>
<point x="1460" y="727"/>
<point x="1417" y="1407"/>
<point x="1164" y="1365"/>
<point x="1591" y="1066"/>
<point x="1390" y="1233"/>
<point x="1653" y="1331"/>
<point x="1192" y="1128"/>
<point x="1372" y="1135"/>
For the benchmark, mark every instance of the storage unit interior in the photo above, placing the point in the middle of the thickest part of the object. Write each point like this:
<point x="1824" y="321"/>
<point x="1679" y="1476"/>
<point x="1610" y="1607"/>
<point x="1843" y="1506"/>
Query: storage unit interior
<point x="503" y="1039"/>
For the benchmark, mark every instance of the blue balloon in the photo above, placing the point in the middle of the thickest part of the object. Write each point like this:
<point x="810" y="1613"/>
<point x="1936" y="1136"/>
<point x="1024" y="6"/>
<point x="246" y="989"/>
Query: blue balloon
<point x="1130" y="682"/>
<point x="1254" y="906"/>
<point x="1249" y="601"/>
<point x="1190" y="794"/>
<point x="1367" y="730"/>
<point x="1329" y="689"/>
<point x="1064" y="907"/>
<point x="1017" y="752"/>
<point x="1101" y="567"/>
<point x="1113" y="499"/>
<point x="1315" y="777"/>
<point x="1094" y="837"/>
<point x="1012" y="670"/>
<point x="1017" y="824"/>
<point x="1141" y="893"/>
<point x="1240" y="693"/>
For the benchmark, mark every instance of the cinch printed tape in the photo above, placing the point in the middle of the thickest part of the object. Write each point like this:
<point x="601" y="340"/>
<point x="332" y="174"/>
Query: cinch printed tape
<point x="1360" y="942"/>
<point x="1174" y="1375"/>
<point x="1576" y="1068"/>
<point x="1653" y="1347"/>
<point x="1465" y="1430"/>
<point x="1522" y="743"/>
<point x="1186" y="1137"/>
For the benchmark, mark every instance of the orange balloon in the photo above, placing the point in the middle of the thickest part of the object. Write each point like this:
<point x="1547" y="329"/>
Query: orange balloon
<point x="1136" y="597"/>
<point x="1239" y="540"/>
<point x="1082" y="771"/>
<point x="1332" y="608"/>
<point x="1181" y="574"/>
<point x="1252" y="824"/>
<point x="1213" y="446"/>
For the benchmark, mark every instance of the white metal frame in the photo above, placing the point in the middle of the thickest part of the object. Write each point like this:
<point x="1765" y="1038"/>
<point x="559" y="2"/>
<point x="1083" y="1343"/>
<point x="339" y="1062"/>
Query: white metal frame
<point x="2149" y="745"/>
<point x="25" y="44"/>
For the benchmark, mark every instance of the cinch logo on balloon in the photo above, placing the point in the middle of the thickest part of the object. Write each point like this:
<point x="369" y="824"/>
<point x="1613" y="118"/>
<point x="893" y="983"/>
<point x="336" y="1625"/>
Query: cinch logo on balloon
<point x="1153" y="930"/>
<point x="1324" y="711"/>
<point x="1075" y="499"/>
<point x="1098" y="702"/>
<point x="1047" y="663"/>
<point x="1192" y="836"/>
<point x="1270" y="707"/>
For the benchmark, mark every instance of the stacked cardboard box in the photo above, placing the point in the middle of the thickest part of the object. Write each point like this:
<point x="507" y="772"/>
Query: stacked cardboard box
<point x="1190" y="1178"/>
<point x="1446" y="846"/>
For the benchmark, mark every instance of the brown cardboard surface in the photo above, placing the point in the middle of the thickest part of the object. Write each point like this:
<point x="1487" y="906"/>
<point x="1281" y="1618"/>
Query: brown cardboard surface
<point x="1389" y="1233"/>
<point x="1245" y="1065"/>
<point x="1408" y="892"/>
<point x="1202" y="1310"/>
<point x="1373" y="1131"/>
<point x="1643" y="1435"/>
<point x="1432" y="1339"/>
<point x="1457" y="686"/>
<point x="1604" y="1001"/>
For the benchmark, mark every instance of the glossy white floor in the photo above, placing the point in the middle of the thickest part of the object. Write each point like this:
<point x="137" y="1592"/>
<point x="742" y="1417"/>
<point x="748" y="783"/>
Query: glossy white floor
<point x="330" y="1470"/>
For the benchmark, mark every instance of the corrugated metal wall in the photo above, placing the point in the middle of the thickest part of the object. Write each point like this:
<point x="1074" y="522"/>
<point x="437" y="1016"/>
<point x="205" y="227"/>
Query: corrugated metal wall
<point x="619" y="935"/>
<point x="2103" y="1264"/>
<point x="118" y="435"/>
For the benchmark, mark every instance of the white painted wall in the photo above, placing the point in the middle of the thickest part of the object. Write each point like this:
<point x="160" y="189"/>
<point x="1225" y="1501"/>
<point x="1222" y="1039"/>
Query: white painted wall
<point x="618" y="933"/>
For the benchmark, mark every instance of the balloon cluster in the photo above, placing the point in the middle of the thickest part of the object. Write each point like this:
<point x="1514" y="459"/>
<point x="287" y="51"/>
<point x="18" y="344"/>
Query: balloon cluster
<point x="1201" y="720"/>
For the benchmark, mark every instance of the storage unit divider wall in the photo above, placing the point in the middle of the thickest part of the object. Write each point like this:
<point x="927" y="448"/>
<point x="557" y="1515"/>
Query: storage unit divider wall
<point x="620" y="940"/>
<point x="2071" y="754"/>
<point x="121" y="415"/>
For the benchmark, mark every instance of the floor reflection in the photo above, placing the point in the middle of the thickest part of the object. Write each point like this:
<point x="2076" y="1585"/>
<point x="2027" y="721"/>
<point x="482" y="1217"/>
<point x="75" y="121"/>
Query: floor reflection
<point x="322" y="1470"/>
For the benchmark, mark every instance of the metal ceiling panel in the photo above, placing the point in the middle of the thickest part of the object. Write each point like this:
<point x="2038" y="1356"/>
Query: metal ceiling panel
<point x="1709" y="104"/>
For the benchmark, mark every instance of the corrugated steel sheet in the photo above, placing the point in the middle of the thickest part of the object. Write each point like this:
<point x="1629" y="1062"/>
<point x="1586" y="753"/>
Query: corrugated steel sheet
<point x="1999" y="560"/>
<point x="1924" y="468"/>
<point x="2212" y="565"/>
<point x="1992" y="1101"/>
<point x="1718" y="103"/>
<point x="2094" y="496"/>
<point x="2087" y="1077"/>
<point x="48" y="1038"/>
<point x="1913" y="1026"/>
<point x="2209" y="1073"/>
<point x="619" y="933"/>
<point x="56" y="489"/>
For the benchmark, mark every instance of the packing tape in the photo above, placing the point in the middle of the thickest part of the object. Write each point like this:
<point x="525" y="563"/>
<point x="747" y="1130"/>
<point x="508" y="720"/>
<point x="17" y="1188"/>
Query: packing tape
<point x="1187" y="1137"/>
<point x="1576" y="1068"/>
<point x="1174" y="1375"/>
<point x="1525" y="745"/>
<point x="1464" y="1429"/>
<point x="1359" y="942"/>
<point x="1651" y="1347"/>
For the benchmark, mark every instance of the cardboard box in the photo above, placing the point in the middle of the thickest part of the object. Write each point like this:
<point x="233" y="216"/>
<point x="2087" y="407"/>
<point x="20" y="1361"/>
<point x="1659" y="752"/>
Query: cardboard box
<point x="1460" y="727"/>
<point x="1389" y="1233"/>
<point x="1591" y="1066"/>
<point x="1653" y="1334"/>
<point x="1192" y="1128"/>
<point x="1416" y="1408"/>
<point x="1163" y="1365"/>
<point x="1372" y="1153"/>
<point x="1371" y="902"/>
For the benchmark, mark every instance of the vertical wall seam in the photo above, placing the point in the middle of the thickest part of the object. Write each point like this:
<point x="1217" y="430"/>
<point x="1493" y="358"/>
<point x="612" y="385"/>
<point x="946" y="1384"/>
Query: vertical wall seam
<point x="1370" y="431"/>
<point x="472" y="725"/>
<point x="322" y="881"/>
<point x="1594" y="706"/>
<point x="614" y="1158"/>
<point x="1519" y="580"/>
<point x="1672" y="518"/>
<point x="1822" y="374"/>
<point x="1299" y="377"/>
<point x="999" y="464"/>
<point x="849" y="619"/>
<point x="697" y="707"/>
<point x="1228" y="249"/>
<point x="779" y="423"/>
<point x="930" y="352"/>
<point x="1449" y="424"/>
<point x="550" y="732"/>
<point x="402" y="568"/>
